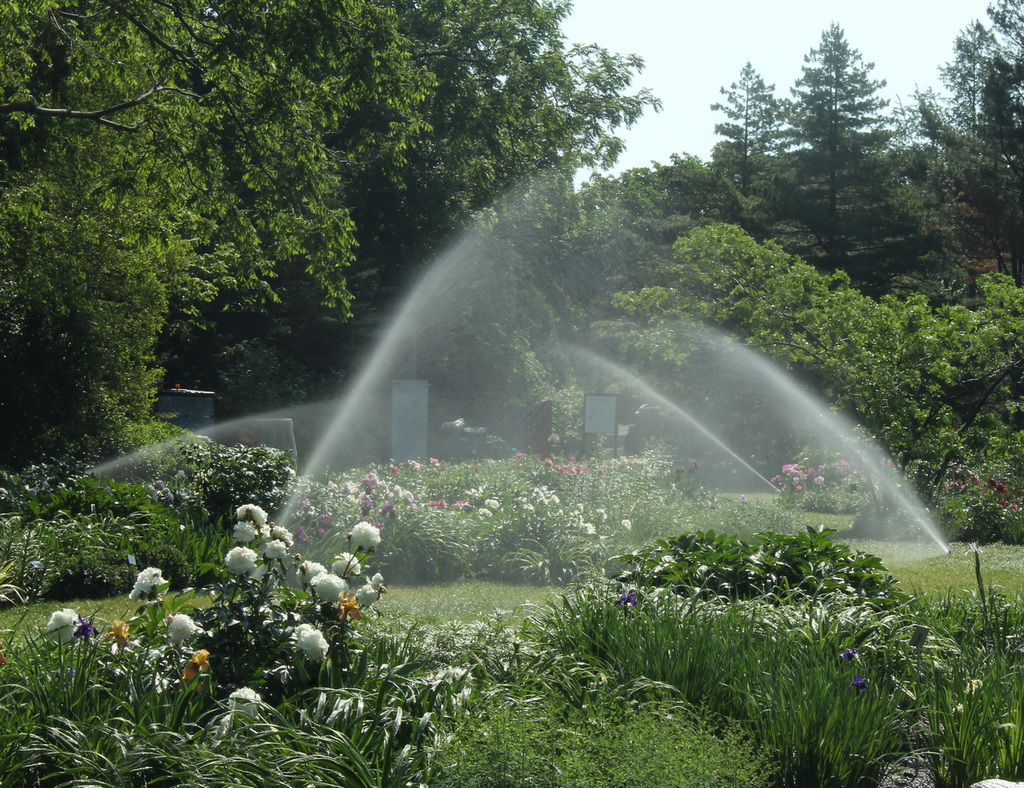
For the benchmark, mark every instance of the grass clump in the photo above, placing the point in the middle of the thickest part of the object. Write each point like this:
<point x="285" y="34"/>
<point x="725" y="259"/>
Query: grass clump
<point x="540" y="746"/>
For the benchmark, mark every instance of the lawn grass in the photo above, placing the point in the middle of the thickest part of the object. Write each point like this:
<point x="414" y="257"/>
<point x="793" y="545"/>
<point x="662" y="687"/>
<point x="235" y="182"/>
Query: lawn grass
<point x="923" y="569"/>
<point x="919" y="567"/>
<point x="469" y="600"/>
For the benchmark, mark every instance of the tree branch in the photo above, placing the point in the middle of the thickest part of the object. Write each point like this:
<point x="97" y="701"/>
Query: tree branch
<point x="98" y="115"/>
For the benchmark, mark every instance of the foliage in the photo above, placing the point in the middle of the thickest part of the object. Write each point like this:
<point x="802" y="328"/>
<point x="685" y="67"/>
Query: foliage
<point x="69" y="535"/>
<point x="742" y="660"/>
<point x="531" y="742"/>
<point x="933" y="384"/>
<point x="774" y="566"/>
<point x="978" y="131"/>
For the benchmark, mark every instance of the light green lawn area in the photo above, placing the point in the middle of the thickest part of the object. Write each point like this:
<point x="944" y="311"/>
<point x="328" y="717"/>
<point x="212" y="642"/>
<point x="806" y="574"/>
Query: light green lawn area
<point x="924" y="569"/>
<point x="470" y="600"/>
<point x="920" y="568"/>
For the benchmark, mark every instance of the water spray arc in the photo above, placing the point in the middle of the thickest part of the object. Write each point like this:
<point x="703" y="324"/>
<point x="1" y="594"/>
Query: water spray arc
<point x="627" y="377"/>
<point x="796" y="405"/>
<point x="841" y="432"/>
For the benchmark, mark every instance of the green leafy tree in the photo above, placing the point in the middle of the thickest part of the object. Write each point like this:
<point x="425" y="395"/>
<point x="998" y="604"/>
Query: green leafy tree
<point x="932" y="384"/>
<point x="248" y="109"/>
<point x="511" y="98"/>
<point x="155" y="157"/>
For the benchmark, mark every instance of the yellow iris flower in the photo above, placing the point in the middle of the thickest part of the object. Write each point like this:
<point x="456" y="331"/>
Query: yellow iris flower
<point x="118" y="632"/>
<point x="348" y="608"/>
<point x="200" y="663"/>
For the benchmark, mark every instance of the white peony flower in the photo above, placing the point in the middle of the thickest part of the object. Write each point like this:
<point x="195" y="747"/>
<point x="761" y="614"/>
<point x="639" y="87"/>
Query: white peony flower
<point x="241" y="561"/>
<point x="492" y="504"/>
<point x="147" y="583"/>
<point x="62" y="624"/>
<point x="345" y="565"/>
<point x="245" y="701"/>
<point x="311" y="642"/>
<point x="328" y="587"/>
<point x="365" y="536"/>
<point x="484" y="512"/>
<point x="180" y="628"/>
<point x="275" y="549"/>
<point x="367" y="595"/>
<point x="282" y="534"/>
<point x="371" y="592"/>
<point x="244" y="532"/>
<point x="308" y="570"/>
<point x="251" y="513"/>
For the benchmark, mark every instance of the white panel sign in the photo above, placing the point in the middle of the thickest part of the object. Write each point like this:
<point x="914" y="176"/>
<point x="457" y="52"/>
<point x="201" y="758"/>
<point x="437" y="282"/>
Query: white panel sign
<point x="599" y="414"/>
<point x="408" y="420"/>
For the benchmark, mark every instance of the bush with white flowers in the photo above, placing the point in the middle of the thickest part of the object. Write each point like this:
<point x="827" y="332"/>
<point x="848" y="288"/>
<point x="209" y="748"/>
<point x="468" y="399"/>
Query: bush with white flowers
<point x="273" y="624"/>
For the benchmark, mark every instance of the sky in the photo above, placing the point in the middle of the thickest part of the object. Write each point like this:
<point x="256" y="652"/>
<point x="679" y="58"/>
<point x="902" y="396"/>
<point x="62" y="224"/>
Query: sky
<point x="693" y="49"/>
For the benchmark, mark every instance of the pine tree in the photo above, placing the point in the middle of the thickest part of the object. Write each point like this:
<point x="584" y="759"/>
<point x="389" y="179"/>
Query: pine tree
<point x="851" y="208"/>
<point x="751" y="132"/>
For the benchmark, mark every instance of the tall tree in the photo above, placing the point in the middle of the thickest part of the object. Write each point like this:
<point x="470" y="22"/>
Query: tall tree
<point x="752" y="131"/>
<point x="852" y="208"/>
<point x="966" y="75"/>
<point x="175" y="152"/>
<point x="980" y="128"/>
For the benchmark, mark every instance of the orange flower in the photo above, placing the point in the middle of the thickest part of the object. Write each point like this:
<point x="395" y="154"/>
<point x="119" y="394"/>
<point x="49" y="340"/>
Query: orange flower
<point x="348" y="608"/>
<point x="200" y="663"/>
<point x="118" y="632"/>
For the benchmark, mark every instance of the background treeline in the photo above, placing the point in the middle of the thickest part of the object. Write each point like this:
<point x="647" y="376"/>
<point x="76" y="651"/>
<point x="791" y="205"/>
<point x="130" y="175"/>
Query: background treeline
<point x="234" y="197"/>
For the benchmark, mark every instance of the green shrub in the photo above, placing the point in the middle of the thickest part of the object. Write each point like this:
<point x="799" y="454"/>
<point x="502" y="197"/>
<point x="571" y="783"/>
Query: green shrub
<point x="982" y="510"/>
<point x="222" y="477"/>
<point x="770" y="565"/>
<point x="90" y="575"/>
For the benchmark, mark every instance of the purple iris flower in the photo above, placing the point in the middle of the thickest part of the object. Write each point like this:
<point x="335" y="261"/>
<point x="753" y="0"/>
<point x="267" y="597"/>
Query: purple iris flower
<point x="849" y="654"/>
<point x="85" y="628"/>
<point x="627" y="598"/>
<point x="859" y="683"/>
